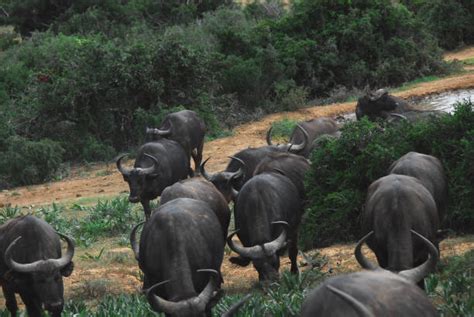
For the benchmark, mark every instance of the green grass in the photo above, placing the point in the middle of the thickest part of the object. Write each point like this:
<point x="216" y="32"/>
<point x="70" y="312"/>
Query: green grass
<point x="415" y="82"/>
<point x="469" y="61"/>
<point x="86" y="224"/>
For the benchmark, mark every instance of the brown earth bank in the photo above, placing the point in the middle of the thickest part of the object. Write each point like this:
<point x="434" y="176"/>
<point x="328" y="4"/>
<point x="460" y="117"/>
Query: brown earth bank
<point x="108" y="268"/>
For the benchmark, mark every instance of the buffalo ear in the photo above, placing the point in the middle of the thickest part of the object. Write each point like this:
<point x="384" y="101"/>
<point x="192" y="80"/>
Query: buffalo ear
<point x="67" y="270"/>
<point x="442" y="234"/>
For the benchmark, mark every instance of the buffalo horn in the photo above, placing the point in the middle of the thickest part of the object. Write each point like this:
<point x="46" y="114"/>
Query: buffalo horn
<point x="260" y="251"/>
<point x="397" y="115"/>
<point x="269" y="136"/>
<point x="40" y="265"/>
<point x="358" y="306"/>
<point x="133" y="240"/>
<point x="300" y="147"/>
<point x="203" y="170"/>
<point x="363" y="261"/>
<point x="235" y="175"/>
<point x="162" y="132"/>
<point x="151" y="169"/>
<point x="194" y="304"/>
<point x="122" y="169"/>
<point x="418" y="273"/>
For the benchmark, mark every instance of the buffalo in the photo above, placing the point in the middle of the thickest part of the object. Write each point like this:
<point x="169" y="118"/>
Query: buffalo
<point x="373" y="293"/>
<point x="158" y="165"/>
<point x="31" y="265"/>
<point x="200" y="189"/>
<point x="186" y="128"/>
<point x="380" y="104"/>
<point x="267" y="214"/>
<point x="181" y="248"/>
<point x="304" y="135"/>
<point x="292" y="166"/>
<point x="395" y="205"/>
<point x="429" y="171"/>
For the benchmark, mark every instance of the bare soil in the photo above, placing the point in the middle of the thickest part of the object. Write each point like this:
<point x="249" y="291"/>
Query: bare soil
<point x="116" y="271"/>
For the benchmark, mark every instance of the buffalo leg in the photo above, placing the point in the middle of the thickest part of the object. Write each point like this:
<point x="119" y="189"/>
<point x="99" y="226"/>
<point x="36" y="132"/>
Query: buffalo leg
<point x="33" y="307"/>
<point x="146" y="208"/>
<point x="10" y="300"/>
<point x="293" y="253"/>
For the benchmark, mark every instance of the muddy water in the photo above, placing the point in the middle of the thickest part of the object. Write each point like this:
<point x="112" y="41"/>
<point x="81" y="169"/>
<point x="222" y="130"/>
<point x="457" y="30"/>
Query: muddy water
<point x="444" y="101"/>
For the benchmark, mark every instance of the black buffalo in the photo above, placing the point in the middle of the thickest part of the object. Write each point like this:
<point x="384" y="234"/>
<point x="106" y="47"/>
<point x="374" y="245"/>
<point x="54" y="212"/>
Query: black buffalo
<point x="370" y="294"/>
<point x="380" y="104"/>
<point x="186" y="128"/>
<point x="224" y="182"/>
<point x="267" y="214"/>
<point x="395" y="205"/>
<point x="292" y="166"/>
<point x="158" y="165"/>
<point x="32" y="266"/>
<point x="429" y="171"/>
<point x="182" y="237"/>
<point x="200" y="189"/>
<point x="304" y="135"/>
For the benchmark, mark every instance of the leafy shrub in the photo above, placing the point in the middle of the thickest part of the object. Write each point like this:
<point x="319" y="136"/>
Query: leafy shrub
<point x="453" y="288"/>
<point x="450" y="21"/>
<point x="27" y="162"/>
<point x="282" y="129"/>
<point x="343" y="169"/>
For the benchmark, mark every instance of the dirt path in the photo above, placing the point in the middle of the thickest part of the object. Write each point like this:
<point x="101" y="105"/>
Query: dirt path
<point x="104" y="180"/>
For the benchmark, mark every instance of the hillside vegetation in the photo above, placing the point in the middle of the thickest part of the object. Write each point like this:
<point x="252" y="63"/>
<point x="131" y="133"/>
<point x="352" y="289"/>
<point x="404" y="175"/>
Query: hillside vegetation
<point x="88" y="76"/>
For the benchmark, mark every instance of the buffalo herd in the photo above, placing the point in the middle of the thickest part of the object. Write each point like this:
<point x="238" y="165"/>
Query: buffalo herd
<point x="181" y="246"/>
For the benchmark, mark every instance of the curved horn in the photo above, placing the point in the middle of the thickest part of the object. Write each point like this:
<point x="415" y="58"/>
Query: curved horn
<point x="269" y="136"/>
<point x="203" y="171"/>
<point x="40" y="265"/>
<point x="418" y="273"/>
<point x="271" y="248"/>
<point x="398" y="115"/>
<point x="358" y="306"/>
<point x="133" y="240"/>
<point x="235" y="307"/>
<point x="163" y="132"/>
<point x="240" y="171"/>
<point x="195" y="304"/>
<point x="151" y="169"/>
<point x="363" y="261"/>
<point x="300" y="147"/>
<point x="121" y="169"/>
<point x="259" y="251"/>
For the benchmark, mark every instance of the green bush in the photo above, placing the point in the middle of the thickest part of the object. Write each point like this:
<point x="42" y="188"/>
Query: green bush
<point x="342" y="169"/>
<point x="449" y="20"/>
<point x="26" y="162"/>
<point x="453" y="287"/>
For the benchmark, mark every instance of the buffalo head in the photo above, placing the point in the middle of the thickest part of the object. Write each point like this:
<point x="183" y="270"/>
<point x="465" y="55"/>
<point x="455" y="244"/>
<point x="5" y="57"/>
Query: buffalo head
<point x="137" y="177"/>
<point x="414" y="275"/>
<point x="224" y="181"/>
<point x="290" y="147"/>
<point x="42" y="277"/>
<point x="264" y="257"/>
<point x="194" y="306"/>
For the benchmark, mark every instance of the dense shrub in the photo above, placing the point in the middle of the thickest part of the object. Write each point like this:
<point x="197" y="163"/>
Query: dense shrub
<point x="29" y="162"/>
<point x="343" y="169"/>
<point x="99" y="15"/>
<point x="451" y="21"/>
